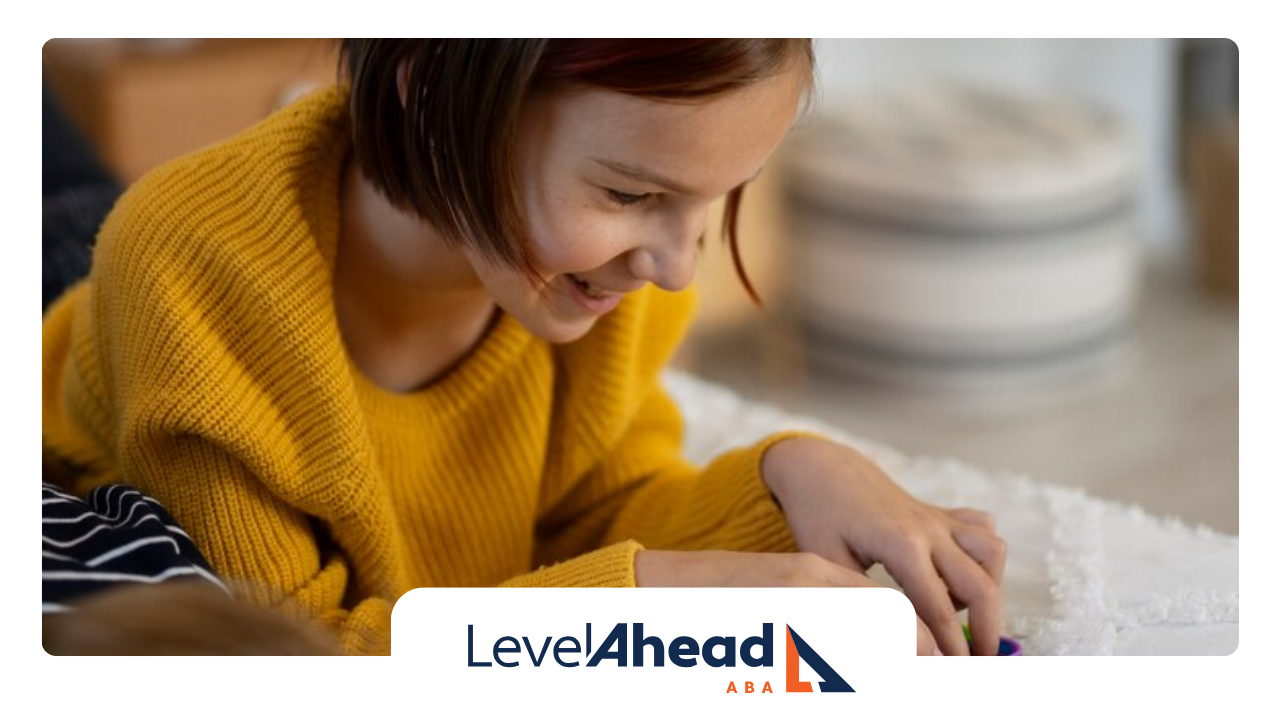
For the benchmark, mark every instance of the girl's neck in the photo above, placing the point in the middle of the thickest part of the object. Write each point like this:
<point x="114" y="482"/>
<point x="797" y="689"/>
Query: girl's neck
<point x="409" y="307"/>
<point x="399" y="253"/>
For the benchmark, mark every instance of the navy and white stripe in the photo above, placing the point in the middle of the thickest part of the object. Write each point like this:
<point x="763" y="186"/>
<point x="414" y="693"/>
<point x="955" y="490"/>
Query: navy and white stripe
<point x="117" y="536"/>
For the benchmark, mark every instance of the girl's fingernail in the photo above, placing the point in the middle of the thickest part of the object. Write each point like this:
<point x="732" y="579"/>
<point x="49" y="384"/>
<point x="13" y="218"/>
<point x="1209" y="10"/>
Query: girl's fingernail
<point x="936" y="651"/>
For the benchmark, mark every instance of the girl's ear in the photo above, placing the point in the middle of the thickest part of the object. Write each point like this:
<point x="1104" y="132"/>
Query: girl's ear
<point x="402" y="81"/>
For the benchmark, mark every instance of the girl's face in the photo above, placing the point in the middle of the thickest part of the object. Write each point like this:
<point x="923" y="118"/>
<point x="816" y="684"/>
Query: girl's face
<point x="616" y="191"/>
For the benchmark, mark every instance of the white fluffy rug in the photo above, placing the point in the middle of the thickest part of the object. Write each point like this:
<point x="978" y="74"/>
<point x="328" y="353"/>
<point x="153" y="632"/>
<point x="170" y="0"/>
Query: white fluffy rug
<point x="1085" y="576"/>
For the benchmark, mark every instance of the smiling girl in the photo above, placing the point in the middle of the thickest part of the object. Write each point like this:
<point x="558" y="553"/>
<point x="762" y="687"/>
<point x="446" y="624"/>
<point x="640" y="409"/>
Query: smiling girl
<point x="408" y="332"/>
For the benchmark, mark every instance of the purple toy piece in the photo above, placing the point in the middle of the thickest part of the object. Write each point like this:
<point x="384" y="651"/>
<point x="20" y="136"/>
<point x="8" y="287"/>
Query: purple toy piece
<point x="1009" y="646"/>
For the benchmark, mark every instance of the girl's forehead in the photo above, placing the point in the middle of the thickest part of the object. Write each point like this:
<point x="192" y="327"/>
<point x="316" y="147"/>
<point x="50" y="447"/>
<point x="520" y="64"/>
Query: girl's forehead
<point x="588" y="104"/>
<point x="697" y="144"/>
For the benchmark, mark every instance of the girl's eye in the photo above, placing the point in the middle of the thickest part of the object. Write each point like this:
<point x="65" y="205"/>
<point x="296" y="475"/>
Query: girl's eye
<point x="628" y="200"/>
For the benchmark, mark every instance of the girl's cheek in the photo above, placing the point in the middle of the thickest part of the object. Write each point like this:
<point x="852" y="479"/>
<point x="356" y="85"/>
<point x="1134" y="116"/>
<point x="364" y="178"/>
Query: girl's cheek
<point x="584" y="242"/>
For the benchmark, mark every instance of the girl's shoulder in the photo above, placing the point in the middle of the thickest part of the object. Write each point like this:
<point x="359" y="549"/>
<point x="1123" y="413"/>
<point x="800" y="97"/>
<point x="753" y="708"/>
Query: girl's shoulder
<point x="270" y="189"/>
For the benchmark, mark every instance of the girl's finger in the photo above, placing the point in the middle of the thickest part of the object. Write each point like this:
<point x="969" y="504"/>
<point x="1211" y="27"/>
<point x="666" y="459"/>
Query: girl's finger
<point x="925" y="642"/>
<point x="970" y="582"/>
<point x="971" y="516"/>
<point x="927" y="591"/>
<point x="846" y="572"/>
<point x="988" y="549"/>
<point x="832" y="547"/>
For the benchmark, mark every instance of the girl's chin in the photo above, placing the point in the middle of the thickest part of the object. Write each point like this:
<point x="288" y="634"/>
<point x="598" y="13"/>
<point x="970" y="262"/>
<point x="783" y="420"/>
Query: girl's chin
<point x="570" y="333"/>
<point x="559" y="331"/>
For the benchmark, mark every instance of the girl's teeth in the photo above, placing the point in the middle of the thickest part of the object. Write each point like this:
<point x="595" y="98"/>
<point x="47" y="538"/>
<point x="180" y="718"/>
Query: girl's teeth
<point x="587" y="288"/>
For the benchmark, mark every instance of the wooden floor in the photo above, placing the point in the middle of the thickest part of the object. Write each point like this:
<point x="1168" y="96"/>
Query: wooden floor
<point x="1157" y="424"/>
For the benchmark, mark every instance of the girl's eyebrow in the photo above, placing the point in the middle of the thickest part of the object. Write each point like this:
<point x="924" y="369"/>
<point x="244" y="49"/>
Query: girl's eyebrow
<point x="645" y="175"/>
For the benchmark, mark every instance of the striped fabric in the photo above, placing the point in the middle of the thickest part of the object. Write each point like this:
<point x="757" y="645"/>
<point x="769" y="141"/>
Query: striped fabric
<point x="117" y="536"/>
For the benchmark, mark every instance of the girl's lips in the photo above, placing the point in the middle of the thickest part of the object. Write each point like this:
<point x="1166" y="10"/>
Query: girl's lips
<point x="593" y="305"/>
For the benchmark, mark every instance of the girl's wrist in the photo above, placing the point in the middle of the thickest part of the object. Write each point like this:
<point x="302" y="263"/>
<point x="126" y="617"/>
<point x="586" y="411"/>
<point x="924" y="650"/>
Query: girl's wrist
<point x="794" y="462"/>
<point x="783" y="462"/>
<point x="662" y="568"/>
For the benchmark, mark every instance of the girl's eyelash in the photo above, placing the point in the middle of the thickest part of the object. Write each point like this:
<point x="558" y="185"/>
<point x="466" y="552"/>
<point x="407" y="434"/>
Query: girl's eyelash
<point x="628" y="200"/>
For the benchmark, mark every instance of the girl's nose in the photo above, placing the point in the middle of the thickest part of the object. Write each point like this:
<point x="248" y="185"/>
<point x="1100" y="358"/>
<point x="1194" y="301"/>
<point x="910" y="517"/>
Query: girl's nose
<point x="671" y="260"/>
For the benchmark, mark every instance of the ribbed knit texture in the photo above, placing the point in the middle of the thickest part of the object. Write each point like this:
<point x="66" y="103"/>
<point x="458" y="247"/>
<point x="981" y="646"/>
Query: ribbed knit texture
<point x="201" y="361"/>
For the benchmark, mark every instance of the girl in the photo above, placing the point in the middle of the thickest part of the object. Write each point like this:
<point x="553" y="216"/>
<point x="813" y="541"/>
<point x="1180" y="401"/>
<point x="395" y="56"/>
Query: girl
<point x="408" y="332"/>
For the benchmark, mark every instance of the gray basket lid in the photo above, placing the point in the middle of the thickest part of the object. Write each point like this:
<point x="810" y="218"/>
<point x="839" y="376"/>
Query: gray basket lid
<point x="953" y="154"/>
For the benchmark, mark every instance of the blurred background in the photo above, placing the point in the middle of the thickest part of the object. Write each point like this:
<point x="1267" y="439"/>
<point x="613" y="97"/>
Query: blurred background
<point x="1022" y="254"/>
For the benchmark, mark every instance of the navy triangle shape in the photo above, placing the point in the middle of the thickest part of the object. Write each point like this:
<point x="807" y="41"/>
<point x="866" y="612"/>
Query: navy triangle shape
<point x="831" y="680"/>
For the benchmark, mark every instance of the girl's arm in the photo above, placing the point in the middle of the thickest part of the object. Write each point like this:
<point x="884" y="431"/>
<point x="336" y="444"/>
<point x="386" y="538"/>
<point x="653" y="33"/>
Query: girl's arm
<point x="664" y="522"/>
<point x="244" y="531"/>
<point x="145" y="382"/>
<point x="627" y="481"/>
<point x="270" y="553"/>
<point x="644" y="490"/>
<point x="843" y="507"/>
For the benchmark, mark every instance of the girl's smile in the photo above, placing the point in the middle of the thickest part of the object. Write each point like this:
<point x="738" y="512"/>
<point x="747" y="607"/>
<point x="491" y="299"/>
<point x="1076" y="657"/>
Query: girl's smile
<point x="591" y="297"/>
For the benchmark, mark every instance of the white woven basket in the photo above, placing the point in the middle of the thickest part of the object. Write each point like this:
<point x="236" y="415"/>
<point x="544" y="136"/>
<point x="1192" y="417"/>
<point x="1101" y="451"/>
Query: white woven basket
<point x="951" y="234"/>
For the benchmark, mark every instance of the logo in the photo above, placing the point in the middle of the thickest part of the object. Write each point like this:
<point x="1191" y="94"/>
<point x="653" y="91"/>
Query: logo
<point x="797" y="648"/>
<point x="674" y="652"/>
<point x="683" y="651"/>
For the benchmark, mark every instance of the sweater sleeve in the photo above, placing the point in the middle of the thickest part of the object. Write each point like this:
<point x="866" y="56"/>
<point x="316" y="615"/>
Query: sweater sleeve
<point x="644" y="494"/>
<point x="249" y="533"/>
<point x="268" y="551"/>
<point x="184" y="366"/>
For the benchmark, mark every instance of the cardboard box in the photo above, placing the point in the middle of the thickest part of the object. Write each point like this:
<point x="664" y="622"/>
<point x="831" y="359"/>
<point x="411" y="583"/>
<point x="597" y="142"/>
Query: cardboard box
<point x="144" y="102"/>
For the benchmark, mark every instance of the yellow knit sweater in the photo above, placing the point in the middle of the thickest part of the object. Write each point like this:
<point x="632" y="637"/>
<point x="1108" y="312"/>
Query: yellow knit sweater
<point x="201" y="361"/>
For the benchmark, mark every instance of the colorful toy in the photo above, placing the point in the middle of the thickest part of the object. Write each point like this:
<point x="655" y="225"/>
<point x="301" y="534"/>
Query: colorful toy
<point x="1008" y="646"/>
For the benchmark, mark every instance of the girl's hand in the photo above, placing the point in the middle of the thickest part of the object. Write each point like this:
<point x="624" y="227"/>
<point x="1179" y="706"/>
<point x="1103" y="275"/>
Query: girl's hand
<point x="717" y="568"/>
<point x="842" y="507"/>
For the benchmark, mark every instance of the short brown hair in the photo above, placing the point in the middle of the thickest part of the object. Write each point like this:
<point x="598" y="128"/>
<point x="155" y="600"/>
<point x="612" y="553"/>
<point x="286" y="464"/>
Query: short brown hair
<point x="448" y="152"/>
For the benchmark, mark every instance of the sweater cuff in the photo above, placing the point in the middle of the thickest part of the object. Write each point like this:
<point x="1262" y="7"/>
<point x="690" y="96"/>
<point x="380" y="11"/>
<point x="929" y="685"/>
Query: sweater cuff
<point x="758" y="523"/>
<point x="611" y="566"/>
